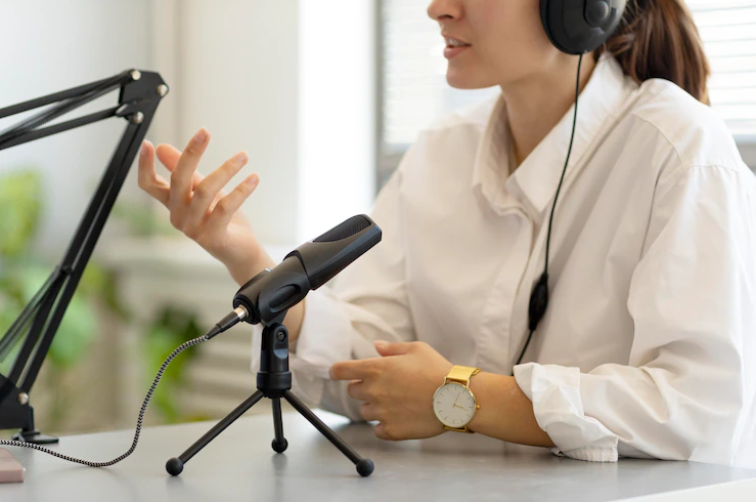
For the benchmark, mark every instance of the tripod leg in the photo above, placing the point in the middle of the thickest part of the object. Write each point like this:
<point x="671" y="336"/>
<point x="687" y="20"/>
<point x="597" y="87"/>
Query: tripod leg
<point x="175" y="465"/>
<point x="279" y="444"/>
<point x="364" y="466"/>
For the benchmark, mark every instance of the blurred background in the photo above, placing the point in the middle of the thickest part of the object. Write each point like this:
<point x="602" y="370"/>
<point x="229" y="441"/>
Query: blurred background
<point x="324" y="95"/>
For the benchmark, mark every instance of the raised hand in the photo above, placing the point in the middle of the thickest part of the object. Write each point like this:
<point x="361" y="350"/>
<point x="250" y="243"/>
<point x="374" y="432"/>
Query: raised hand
<point x="200" y="208"/>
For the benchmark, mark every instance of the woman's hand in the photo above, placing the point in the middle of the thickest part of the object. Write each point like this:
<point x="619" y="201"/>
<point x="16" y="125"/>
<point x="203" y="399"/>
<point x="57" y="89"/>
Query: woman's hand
<point x="397" y="388"/>
<point x="200" y="208"/>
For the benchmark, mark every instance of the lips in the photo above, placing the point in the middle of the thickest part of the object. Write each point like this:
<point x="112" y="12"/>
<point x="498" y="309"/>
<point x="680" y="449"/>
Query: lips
<point x="454" y="45"/>
<point x="455" y="41"/>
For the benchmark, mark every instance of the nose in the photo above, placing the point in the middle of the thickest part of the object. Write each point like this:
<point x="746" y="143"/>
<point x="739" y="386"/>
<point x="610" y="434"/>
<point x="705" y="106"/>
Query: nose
<point x="444" y="10"/>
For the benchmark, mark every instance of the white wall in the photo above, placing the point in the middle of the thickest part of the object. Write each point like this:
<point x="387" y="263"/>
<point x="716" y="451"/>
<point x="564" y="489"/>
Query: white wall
<point x="238" y="75"/>
<point x="337" y="112"/>
<point x="49" y="46"/>
<point x="289" y="81"/>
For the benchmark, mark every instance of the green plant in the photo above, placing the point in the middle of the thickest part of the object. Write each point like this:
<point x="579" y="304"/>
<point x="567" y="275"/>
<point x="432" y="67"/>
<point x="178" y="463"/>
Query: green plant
<point x="19" y="205"/>
<point x="141" y="221"/>
<point x="172" y="327"/>
<point x="22" y="273"/>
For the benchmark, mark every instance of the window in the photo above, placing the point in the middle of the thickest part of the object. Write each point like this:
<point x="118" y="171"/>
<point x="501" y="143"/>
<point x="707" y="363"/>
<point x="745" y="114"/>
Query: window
<point x="414" y="91"/>
<point x="728" y="29"/>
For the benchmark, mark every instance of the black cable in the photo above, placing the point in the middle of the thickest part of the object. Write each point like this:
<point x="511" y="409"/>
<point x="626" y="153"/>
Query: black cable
<point x="541" y="288"/>
<point x="138" y="430"/>
<point x="566" y="162"/>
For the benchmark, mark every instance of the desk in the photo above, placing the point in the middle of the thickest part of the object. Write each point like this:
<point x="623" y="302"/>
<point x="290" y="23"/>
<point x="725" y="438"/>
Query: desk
<point x="240" y="465"/>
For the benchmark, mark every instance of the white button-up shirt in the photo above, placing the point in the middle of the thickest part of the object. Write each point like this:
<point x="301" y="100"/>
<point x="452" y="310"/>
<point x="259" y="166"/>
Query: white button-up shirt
<point x="648" y="346"/>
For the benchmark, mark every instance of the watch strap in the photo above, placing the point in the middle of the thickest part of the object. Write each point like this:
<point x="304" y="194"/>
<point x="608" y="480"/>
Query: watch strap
<point x="461" y="374"/>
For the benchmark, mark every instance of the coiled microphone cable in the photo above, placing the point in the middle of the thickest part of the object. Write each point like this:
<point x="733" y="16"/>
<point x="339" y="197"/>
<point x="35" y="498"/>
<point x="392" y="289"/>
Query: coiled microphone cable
<point x="227" y="322"/>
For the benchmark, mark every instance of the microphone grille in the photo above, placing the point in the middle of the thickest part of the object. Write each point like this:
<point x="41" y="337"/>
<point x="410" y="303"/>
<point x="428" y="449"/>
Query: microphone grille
<point x="349" y="227"/>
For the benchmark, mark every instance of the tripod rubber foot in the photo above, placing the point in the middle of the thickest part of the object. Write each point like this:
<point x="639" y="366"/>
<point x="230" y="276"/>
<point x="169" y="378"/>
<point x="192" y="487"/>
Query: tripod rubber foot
<point x="365" y="467"/>
<point x="174" y="466"/>
<point x="34" y="437"/>
<point x="280" y="448"/>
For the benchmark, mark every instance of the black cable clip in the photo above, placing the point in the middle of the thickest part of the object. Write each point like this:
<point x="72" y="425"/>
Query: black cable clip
<point x="539" y="300"/>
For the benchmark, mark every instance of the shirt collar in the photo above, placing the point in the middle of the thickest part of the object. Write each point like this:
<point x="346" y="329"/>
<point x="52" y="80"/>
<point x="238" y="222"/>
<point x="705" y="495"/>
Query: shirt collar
<point x="535" y="181"/>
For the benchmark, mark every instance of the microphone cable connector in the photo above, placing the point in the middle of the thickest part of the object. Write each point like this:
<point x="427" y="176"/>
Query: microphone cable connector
<point x="238" y="315"/>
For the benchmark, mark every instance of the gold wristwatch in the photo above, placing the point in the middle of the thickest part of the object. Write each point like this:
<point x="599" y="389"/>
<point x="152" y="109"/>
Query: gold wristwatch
<point x="454" y="403"/>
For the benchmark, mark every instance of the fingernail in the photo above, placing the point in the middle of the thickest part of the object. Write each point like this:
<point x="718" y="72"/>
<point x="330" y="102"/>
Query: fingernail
<point x="381" y="343"/>
<point x="144" y="148"/>
<point x="200" y="136"/>
<point x="240" y="158"/>
<point x="253" y="180"/>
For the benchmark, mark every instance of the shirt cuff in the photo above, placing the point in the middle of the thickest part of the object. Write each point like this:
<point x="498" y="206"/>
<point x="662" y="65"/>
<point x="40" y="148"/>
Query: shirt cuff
<point x="324" y="339"/>
<point x="558" y="408"/>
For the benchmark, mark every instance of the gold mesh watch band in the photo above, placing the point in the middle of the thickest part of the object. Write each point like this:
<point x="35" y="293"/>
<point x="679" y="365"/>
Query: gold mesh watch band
<point x="461" y="374"/>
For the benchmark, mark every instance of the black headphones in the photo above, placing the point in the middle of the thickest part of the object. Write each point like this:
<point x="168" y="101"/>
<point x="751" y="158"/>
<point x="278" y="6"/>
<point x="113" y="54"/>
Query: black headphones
<point x="574" y="27"/>
<point x="580" y="26"/>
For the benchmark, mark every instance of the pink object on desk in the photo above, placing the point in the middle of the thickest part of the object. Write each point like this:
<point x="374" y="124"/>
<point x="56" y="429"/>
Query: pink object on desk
<point x="11" y="470"/>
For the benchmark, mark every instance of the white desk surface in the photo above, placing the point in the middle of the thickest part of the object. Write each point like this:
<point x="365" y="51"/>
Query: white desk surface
<point x="240" y="465"/>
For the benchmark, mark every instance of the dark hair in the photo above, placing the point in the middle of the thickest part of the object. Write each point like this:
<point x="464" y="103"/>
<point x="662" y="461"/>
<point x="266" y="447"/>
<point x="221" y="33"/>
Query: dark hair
<point x="658" y="39"/>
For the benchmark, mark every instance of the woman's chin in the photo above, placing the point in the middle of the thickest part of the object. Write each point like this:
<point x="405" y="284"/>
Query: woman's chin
<point x="464" y="80"/>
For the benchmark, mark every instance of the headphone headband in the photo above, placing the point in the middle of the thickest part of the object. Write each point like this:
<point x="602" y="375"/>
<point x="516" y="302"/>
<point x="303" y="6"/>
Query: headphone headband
<point x="581" y="26"/>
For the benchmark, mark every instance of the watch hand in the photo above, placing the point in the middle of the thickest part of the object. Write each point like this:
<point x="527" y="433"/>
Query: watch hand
<point x="455" y="399"/>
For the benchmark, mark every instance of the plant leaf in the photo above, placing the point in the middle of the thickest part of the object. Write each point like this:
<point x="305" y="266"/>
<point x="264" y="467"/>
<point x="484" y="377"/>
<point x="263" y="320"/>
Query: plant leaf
<point x="20" y="196"/>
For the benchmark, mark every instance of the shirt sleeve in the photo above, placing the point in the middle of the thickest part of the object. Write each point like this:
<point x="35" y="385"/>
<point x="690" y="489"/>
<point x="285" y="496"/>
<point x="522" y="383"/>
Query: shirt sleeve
<point x="366" y="302"/>
<point x="689" y="387"/>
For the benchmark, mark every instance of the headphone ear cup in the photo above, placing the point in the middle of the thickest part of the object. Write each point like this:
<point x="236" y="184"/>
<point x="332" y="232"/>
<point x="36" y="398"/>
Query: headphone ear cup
<point x="580" y="26"/>
<point x="597" y="12"/>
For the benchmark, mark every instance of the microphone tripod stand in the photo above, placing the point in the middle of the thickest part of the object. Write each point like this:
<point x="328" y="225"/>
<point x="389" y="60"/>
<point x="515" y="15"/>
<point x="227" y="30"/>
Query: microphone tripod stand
<point x="273" y="382"/>
<point x="266" y="299"/>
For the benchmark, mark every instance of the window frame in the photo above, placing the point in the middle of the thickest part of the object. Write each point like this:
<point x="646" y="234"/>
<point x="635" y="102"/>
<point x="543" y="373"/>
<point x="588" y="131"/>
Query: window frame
<point x="388" y="159"/>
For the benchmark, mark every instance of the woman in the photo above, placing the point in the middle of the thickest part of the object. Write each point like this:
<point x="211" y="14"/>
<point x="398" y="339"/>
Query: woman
<point x="646" y="348"/>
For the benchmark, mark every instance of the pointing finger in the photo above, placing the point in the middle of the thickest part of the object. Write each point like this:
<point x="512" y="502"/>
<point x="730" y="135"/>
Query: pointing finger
<point x="169" y="156"/>
<point x="181" y="177"/>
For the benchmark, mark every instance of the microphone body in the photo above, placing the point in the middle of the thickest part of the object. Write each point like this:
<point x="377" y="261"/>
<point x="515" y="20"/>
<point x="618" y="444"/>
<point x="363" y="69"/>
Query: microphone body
<point x="268" y="295"/>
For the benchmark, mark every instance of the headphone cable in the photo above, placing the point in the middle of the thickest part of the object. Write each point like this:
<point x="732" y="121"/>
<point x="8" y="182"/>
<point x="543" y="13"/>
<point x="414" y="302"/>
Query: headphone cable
<point x="539" y="298"/>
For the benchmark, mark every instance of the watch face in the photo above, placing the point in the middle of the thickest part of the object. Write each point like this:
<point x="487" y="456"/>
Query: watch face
<point x="454" y="405"/>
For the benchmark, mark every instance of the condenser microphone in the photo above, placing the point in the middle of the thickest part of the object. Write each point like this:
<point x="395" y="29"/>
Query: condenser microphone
<point x="266" y="297"/>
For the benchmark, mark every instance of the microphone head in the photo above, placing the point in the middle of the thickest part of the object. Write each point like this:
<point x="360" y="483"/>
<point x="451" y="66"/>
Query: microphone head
<point x="327" y="255"/>
<point x="268" y="295"/>
<point x="350" y="227"/>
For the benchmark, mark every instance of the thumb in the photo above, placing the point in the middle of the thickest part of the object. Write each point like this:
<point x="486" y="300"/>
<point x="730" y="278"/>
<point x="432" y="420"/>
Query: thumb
<point x="387" y="349"/>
